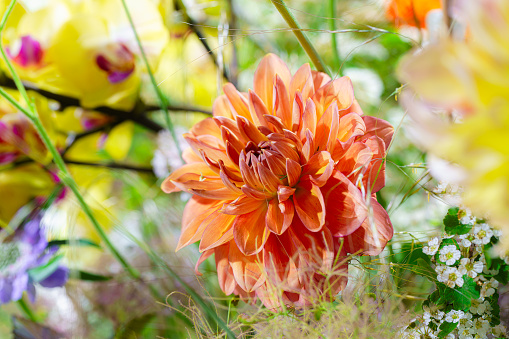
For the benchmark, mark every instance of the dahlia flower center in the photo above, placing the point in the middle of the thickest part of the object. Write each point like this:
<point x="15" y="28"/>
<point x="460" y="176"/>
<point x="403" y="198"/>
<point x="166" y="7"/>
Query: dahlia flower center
<point x="117" y="61"/>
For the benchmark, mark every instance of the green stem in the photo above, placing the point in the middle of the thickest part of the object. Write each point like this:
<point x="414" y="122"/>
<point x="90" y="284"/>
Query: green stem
<point x="27" y="310"/>
<point x="332" y="27"/>
<point x="163" y="101"/>
<point x="303" y="39"/>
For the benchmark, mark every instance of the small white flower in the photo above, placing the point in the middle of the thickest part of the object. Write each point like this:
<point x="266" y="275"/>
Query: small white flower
<point x="499" y="331"/>
<point x="432" y="247"/>
<point x="451" y="277"/>
<point x="479" y="306"/>
<point x="489" y="288"/>
<point x="454" y="316"/>
<point x="449" y="254"/>
<point x="481" y="327"/>
<point x="482" y="233"/>
<point x="466" y="240"/>
<point x="426" y="318"/>
<point x="497" y="233"/>
<point x="466" y="217"/>
<point x="470" y="267"/>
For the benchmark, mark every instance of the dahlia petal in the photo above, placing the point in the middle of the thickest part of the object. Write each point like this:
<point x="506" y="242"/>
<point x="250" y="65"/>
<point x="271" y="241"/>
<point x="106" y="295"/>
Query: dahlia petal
<point x="232" y="153"/>
<point x="286" y="150"/>
<point x="345" y="206"/>
<point x="249" y="176"/>
<point x="327" y="128"/>
<point x="354" y="160"/>
<point x="196" y="181"/>
<point x="309" y="119"/>
<point x="320" y="79"/>
<point x="319" y="168"/>
<point x="284" y="192"/>
<point x="239" y="104"/>
<point x="231" y="124"/>
<point x="242" y="205"/>
<point x="204" y="256"/>
<point x="221" y="107"/>
<point x="256" y="194"/>
<point x="229" y="183"/>
<point x="189" y="156"/>
<point x="228" y="136"/>
<point x="276" y="163"/>
<point x="247" y="270"/>
<point x="308" y="149"/>
<point x="302" y="82"/>
<point x="293" y="171"/>
<point x="276" y="122"/>
<point x="196" y="212"/>
<point x="249" y="130"/>
<point x="202" y="144"/>
<point x="276" y="260"/>
<point x="370" y="239"/>
<point x="282" y="107"/>
<point x="224" y="270"/>
<point x="218" y="232"/>
<point x="378" y="127"/>
<point x="278" y="220"/>
<point x="264" y="77"/>
<point x="207" y="127"/>
<point x="309" y="205"/>
<point x="288" y="210"/>
<point x="250" y="232"/>
<point x="351" y="125"/>
<point x="219" y="194"/>
<point x="199" y="168"/>
<point x="339" y="91"/>
<point x="269" y="180"/>
<point x="374" y="180"/>
<point x="297" y="111"/>
<point x="257" y="109"/>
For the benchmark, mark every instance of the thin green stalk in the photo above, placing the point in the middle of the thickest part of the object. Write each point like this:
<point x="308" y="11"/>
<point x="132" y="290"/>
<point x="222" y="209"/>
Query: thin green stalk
<point x="27" y="310"/>
<point x="64" y="174"/>
<point x="303" y="39"/>
<point x="163" y="101"/>
<point x="332" y="27"/>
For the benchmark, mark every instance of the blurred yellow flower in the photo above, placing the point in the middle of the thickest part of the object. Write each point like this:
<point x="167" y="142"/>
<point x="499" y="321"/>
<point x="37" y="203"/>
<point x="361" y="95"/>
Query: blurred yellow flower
<point x="87" y="49"/>
<point x="470" y="80"/>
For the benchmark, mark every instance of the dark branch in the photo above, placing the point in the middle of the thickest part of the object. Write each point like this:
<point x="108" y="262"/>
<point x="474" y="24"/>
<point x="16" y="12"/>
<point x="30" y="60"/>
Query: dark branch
<point x="151" y="108"/>
<point x="112" y="165"/>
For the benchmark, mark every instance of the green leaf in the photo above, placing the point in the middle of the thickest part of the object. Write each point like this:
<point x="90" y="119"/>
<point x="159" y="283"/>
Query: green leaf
<point x="495" y="312"/>
<point x="461" y="298"/>
<point x="503" y="275"/>
<point x="446" y="328"/>
<point x="42" y="272"/>
<point x="452" y="223"/>
<point x="74" y="242"/>
<point x="87" y="276"/>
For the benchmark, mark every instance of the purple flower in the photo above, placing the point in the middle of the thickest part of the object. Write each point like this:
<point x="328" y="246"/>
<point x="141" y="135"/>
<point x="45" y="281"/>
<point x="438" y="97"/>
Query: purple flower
<point x="25" y="250"/>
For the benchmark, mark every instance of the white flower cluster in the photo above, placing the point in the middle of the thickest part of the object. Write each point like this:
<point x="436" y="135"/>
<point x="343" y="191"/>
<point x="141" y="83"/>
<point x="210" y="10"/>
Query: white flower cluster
<point x="454" y="260"/>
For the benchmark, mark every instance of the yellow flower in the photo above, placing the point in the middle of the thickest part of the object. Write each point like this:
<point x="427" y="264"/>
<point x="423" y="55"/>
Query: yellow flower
<point x="87" y="49"/>
<point x="471" y="79"/>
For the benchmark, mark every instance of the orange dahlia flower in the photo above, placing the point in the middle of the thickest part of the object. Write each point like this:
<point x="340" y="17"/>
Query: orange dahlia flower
<point x="411" y="12"/>
<point x="279" y="175"/>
